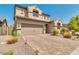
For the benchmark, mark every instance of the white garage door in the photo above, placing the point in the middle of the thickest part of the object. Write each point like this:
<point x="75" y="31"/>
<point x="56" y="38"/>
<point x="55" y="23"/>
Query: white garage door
<point x="31" y="29"/>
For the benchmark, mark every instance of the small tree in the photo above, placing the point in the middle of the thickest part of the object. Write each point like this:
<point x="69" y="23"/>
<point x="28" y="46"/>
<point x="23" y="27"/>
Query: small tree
<point x="74" y="23"/>
<point x="14" y="32"/>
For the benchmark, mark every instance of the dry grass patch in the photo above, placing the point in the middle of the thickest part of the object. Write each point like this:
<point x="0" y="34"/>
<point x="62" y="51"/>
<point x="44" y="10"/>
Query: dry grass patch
<point x="55" y="32"/>
<point x="12" y="40"/>
<point x="67" y="35"/>
<point x="36" y="52"/>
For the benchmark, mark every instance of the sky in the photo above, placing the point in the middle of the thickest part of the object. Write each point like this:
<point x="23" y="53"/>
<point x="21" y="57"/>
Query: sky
<point x="64" y="12"/>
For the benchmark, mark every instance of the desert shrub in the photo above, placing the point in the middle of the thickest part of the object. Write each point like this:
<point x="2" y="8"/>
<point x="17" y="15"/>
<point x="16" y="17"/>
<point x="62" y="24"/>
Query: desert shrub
<point x="67" y="35"/>
<point x="12" y="40"/>
<point x="10" y="52"/>
<point x="55" y="31"/>
<point x="63" y="30"/>
<point x="36" y="52"/>
<point x="14" y="33"/>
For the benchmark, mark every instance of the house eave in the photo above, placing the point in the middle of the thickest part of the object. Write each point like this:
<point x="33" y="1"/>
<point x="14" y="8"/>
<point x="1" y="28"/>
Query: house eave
<point x="32" y="19"/>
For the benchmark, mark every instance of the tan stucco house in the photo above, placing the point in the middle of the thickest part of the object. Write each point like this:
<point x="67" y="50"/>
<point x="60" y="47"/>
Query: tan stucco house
<point x="55" y="24"/>
<point x="3" y="26"/>
<point x="32" y="20"/>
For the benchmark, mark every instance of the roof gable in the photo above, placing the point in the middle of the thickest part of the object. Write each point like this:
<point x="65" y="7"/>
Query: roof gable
<point x="2" y="21"/>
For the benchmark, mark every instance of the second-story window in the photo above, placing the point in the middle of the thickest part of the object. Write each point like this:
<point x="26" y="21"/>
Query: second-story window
<point x="44" y="17"/>
<point x="58" y="25"/>
<point x="22" y="11"/>
<point x="35" y="13"/>
<point x="47" y="17"/>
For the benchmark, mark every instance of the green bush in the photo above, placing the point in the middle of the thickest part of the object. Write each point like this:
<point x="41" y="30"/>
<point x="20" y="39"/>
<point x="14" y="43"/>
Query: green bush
<point x="14" y="33"/>
<point x="55" y="31"/>
<point x="63" y="30"/>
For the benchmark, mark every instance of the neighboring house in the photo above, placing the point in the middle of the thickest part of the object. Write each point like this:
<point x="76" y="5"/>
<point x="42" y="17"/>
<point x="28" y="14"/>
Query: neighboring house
<point x="55" y="24"/>
<point x="3" y="27"/>
<point x="65" y="25"/>
<point x="30" y="20"/>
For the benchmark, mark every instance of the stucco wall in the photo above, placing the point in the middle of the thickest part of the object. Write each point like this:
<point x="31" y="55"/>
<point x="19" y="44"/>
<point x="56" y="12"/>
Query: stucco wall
<point x="29" y="13"/>
<point x="28" y="21"/>
<point x="57" y="21"/>
<point x="31" y="8"/>
<point x="20" y="11"/>
<point x="4" y="28"/>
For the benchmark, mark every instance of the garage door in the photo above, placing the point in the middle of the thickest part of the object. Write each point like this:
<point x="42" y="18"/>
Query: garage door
<point x="31" y="29"/>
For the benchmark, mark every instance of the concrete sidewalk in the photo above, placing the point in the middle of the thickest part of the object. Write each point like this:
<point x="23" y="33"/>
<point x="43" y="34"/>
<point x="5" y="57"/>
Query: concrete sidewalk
<point x="75" y="52"/>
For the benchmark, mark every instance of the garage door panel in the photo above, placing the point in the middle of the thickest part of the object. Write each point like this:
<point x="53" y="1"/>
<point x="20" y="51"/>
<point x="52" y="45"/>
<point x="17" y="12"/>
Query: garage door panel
<point x="32" y="29"/>
<point x="31" y="25"/>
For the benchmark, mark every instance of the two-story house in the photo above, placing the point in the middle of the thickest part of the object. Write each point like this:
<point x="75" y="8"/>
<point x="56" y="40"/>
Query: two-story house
<point x="30" y="20"/>
<point x="3" y="27"/>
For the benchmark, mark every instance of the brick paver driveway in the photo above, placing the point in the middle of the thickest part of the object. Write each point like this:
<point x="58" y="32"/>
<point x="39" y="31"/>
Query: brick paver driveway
<point x="47" y="44"/>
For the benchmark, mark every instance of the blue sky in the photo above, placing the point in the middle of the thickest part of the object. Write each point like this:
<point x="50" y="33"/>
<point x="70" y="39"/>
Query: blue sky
<point x="62" y="11"/>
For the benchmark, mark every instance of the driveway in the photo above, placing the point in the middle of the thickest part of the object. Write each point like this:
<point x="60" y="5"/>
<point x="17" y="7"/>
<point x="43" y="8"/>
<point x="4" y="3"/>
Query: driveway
<point x="54" y="45"/>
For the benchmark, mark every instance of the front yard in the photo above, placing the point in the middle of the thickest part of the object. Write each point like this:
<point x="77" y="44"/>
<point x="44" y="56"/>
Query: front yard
<point x="18" y="48"/>
<point x="39" y="44"/>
